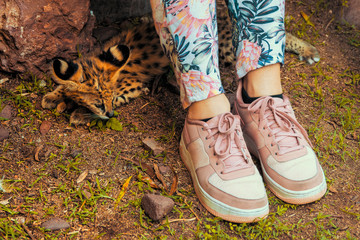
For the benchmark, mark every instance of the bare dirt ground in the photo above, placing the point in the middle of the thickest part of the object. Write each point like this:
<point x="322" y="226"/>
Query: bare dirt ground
<point x="42" y="170"/>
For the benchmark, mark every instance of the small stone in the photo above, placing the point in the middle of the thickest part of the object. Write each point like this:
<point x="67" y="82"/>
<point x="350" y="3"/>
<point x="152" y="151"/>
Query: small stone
<point x="4" y="133"/>
<point x="42" y="83"/>
<point x="6" y="112"/>
<point x="152" y="145"/>
<point x="45" y="127"/>
<point x="156" y="206"/>
<point x="55" y="224"/>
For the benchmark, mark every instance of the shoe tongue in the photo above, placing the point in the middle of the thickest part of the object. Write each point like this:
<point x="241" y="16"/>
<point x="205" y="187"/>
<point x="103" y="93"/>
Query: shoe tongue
<point x="214" y="121"/>
<point x="224" y="120"/>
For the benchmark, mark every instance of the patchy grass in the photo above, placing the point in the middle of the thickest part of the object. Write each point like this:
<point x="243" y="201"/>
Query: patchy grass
<point x="95" y="176"/>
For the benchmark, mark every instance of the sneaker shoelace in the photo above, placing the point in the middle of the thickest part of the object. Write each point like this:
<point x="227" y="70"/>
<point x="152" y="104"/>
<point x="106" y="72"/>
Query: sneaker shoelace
<point x="283" y="126"/>
<point x="228" y="142"/>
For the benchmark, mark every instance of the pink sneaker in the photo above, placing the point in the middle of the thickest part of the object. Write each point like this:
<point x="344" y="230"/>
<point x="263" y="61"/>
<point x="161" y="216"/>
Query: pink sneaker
<point x="272" y="134"/>
<point x="225" y="178"/>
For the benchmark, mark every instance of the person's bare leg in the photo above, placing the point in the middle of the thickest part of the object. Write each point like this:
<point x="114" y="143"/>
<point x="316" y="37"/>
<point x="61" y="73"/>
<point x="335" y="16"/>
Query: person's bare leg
<point x="264" y="81"/>
<point x="209" y="108"/>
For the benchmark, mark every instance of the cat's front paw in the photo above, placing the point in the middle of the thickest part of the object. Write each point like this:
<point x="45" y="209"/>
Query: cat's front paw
<point x="81" y="116"/>
<point x="49" y="101"/>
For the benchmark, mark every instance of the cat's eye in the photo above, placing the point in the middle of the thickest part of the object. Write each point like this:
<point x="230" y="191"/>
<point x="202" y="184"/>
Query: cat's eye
<point x="101" y="107"/>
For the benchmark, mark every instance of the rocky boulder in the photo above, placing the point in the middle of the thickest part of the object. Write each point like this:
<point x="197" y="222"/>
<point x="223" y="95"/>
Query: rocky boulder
<point x="108" y="11"/>
<point x="32" y="33"/>
<point x="351" y="13"/>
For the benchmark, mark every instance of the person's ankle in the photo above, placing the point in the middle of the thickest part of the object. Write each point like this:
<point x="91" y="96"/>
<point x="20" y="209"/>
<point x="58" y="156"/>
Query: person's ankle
<point x="255" y="91"/>
<point x="209" y="108"/>
<point x="247" y="99"/>
<point x="264" y="81"/>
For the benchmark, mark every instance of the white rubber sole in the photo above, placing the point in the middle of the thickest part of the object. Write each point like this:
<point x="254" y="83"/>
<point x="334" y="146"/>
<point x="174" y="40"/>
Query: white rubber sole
<point x="213" y="205"/>
<point x="287" y="195"/>
<point x="295" y="197"/>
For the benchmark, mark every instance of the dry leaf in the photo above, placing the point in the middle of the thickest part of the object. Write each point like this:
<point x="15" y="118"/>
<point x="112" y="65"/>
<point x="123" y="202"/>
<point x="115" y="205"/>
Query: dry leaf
<point x="148" y="169"/>
<point x="174" y="183"/>
<point x="82" y="176"/>
<point x="86" y="194"/>
<point x="6" y="201"/>
<point x="177" y="220"/>
<point x="20" y="220"/>
<point x="36" y="153"/>
<point x="152" y="145"/>
<point x="4" y="186"/>
<point x="151" y="182"/>
<point x="159" y="176"/>
<point x="332" y="189"/>
<point x="306" y="18"/>
<point x="3" y="80"/>
<point x="122" y="192"/>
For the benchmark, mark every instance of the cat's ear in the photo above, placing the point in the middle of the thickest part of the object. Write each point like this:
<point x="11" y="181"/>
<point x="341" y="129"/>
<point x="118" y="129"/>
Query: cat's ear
<point x="65" y="72"/>
<point x="116" y="55"/>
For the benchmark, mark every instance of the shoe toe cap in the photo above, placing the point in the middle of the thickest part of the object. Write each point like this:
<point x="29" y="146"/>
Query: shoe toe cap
<point x="299" y="169"/>
<point x="250" y="187"/>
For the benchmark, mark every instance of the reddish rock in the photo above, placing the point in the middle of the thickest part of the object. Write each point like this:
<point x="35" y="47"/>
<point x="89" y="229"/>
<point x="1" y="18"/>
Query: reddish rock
<point x="102" y="34"/>
<point x="4" y="133"/>
<point x="7" y="112"/>
<point x="164" y="169"/>
<point x="351" y="13"/>
<point x="55" y="224"/>
<point x="156" y="206"/>
<point x="114" y="10"/>
<point x="45" y="127"/>
<point x="34" y="32"/>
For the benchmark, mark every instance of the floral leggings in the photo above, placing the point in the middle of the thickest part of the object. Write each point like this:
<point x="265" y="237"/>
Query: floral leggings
<point x="188" y="34"/>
